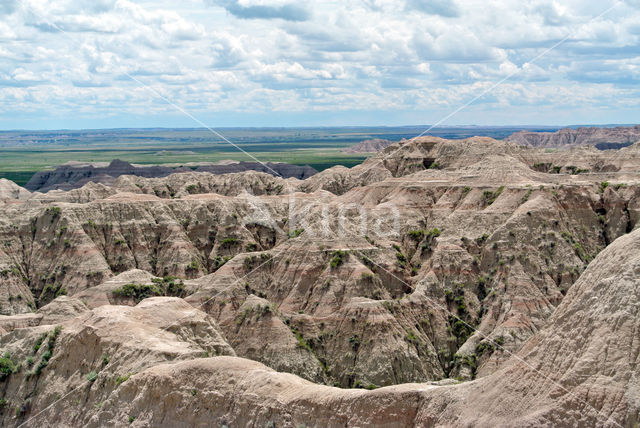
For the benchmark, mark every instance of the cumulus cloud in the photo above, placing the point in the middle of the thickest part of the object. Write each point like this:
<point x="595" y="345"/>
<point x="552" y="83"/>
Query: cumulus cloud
<point x="266" y="56"/>
<point x="7" y="6"/>
<point x="552" y="13"/>
<point x="287" y="11"/>
<point x="446" y="8"/>
<point x="456" y="45"/>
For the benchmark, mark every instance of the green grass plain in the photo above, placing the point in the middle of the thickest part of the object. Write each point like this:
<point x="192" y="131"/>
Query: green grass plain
<point x="22" y="153"/>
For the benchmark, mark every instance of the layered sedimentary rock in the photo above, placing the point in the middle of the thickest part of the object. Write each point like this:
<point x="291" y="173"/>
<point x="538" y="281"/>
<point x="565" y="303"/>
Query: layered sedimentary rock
<point x="430" y="264"/>
<point x="601" y="138"/>
<point x="369" y="146"/>
<point x="73" y="176"/>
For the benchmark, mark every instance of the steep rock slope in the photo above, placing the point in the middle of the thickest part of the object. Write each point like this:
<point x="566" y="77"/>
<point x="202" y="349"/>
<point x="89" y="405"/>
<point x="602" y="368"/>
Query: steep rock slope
<point x="363" y="277"/>
<point x="580" y="370"/>
<point x="92" y="354"/>
<point x="10" y="190"/>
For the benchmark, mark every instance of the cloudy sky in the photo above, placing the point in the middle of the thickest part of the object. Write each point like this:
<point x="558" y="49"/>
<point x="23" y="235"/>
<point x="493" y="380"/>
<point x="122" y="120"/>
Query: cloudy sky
<point x="85" y="63"/>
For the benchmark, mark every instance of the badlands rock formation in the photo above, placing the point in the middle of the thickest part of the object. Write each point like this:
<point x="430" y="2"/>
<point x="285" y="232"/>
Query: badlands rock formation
<point x="602" y="138"/>
<point x="471" y="282"/>
<point x="10" y="190"/>
<point x="369" y="146"/>
<point x="74" y="175"/>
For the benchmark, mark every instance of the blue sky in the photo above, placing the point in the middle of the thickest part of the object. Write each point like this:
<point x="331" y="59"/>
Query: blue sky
<point x="285" y="63"/>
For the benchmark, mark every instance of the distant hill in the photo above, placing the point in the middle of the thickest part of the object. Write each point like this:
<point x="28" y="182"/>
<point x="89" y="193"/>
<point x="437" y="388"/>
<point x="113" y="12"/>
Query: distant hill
<point x="369" y="146"/>
<point x="602" y="138"/>
<point x="72" y="176"/>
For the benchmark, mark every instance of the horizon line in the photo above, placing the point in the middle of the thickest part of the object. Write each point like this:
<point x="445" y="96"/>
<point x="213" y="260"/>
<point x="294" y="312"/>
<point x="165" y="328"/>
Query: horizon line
<point x="576" y="125"/>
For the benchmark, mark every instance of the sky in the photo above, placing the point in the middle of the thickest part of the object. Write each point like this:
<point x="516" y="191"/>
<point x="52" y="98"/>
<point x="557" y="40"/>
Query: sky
<point x="67" y="64"/>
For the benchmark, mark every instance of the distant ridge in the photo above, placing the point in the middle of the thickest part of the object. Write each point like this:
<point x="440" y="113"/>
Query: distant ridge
<point x="369" y="146"/>
<point x="601" y="138"/>
<point x="70" y="176"/>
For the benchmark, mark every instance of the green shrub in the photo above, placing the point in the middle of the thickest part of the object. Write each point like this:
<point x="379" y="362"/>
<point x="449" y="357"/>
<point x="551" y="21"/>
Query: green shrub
<point x="295" y="233"/>
<point x="46" y="356"/>
<point x="389" y="306"/>
<point x="482" y="288"/>
<point x="460" y="329"/>
<point x="220" y="261"/>
<point x="337" y="259"/>
<point x="490" y="197"/>
<point x="51" y="341"/>
<point x="38" y="343"/>
<point x="354" y="341"/>
<point x="229" y="242"/>
<point x="416" y="235"/>
<point x="603" y="186"/>
<point x="166" y="286"/>
<point x="175" y="289"/>
<point x="92" y="376"/>
<point x="7" y="366"/>
<point x="122" y="379"/>
<point x="434" y="233"/>
<point x="193" y="266"/>
<point x="484" y="347"/>
<point x="467" y="360"/>
<point x="412" y="338"/>
<point x="138" y="292"/>
<point x="619" y="186"/>
<point x="302" y="343"/>
<point x="542" y="166"/>
<point x="573" y="170"/>
<point x="429" y="237"/>
<point x="482" y="239"/>
<point x="54" y="212"/>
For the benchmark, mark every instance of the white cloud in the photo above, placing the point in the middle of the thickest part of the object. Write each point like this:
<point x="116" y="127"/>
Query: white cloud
<point x="445" y="8"/>
<point x="277" y="55"/>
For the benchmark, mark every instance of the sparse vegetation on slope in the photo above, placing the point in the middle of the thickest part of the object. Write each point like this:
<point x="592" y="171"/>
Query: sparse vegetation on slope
<point x="167" y="286"/>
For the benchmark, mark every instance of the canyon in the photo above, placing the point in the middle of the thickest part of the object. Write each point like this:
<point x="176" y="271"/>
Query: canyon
<point x="441" y="282"/>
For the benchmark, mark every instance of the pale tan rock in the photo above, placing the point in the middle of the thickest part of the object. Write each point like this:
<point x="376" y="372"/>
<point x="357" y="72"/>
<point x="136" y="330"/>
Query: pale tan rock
<point x="10" y="190"/>
<point x="61" y="309"/>
<point x="111" y="341"/>
<point x="579" y="370"/>
<point x="103" y="294"/>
